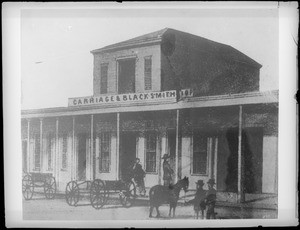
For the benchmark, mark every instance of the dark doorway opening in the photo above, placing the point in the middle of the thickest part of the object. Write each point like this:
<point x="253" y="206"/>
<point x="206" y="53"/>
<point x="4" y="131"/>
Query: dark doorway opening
<point x="252" y="142"/>
<point x="252" y="147"/>
<point x="81" y="161"/>
<point x="172" y="150"/>
<point x="127" y="153"/>
<point x="24" y="151"/>
<point x="126" y="78"/>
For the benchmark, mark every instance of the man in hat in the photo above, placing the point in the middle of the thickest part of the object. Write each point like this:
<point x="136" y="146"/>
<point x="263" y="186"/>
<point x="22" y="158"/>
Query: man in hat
<point x="138" y="175"/>
<point x="211" y="197"/>
<point x="199" y="200"/>
<point x="168" y="172"/>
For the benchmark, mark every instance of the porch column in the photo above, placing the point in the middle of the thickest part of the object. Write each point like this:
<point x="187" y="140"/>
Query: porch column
<point x="241" y="195"/>
<point x="92" y="167"/>
<point x="28" y="146"/>
<point x="177" y="147"/>
<point x="118" y="148"/>
<point x="73" y="159"/>
<point x="41" y="145"/>
<point x="56" y="158"/>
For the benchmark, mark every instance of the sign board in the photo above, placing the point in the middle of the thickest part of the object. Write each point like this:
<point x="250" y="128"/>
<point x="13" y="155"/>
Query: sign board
<point x="130" y="98"/>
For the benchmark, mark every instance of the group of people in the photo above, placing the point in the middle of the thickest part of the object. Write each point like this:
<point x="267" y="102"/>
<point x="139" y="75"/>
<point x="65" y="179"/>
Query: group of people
<point x="203" y="200"/>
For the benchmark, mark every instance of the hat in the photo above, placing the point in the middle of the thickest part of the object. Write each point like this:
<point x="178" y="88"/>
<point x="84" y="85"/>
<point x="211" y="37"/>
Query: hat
<point x="200" y="182"/>
<point x="165" y="156"/>
<point x="211" y="181"/>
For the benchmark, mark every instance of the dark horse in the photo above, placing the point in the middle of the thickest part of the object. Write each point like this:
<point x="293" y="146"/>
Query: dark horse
<point x="160" y="194"/>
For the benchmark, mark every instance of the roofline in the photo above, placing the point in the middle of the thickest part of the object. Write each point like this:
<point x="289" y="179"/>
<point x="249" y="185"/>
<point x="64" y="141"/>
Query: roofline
<point x="195" y="102"/>
<point x="104" y="49"/>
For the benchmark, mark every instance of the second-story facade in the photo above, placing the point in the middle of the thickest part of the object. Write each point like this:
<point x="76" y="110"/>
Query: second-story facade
<point x="168" y="60"/>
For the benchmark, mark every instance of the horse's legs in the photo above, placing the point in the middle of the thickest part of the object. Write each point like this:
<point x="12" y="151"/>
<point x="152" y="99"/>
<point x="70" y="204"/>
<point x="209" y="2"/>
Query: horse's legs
<point x="197" y="214"/>
<point x="157" y="215"/>
<point x="151" y="209"/>
<point x="174" y="207"/>
<point x="170" y="210"/>
<point x="202" y="213"/>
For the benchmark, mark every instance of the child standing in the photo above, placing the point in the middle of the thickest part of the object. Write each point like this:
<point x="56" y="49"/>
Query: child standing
<point x="199" y="200"/>
<point x="211" y="198"/>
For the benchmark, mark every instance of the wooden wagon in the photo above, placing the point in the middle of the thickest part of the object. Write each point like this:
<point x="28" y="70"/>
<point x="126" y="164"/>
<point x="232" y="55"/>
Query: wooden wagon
<point x="99" y="191"/>
<point x="31" y="181"/>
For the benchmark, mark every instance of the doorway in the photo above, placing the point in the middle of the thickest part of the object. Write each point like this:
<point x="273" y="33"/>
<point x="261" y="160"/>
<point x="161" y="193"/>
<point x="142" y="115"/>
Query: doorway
<point x="172" y="151"/>
<point x="24" y="151"/>
<point x="126" y="76"/>
<point x="127" y="152"/>
<point x="81" y="159"/>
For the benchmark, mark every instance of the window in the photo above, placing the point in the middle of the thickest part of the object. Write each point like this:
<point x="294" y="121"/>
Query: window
<point x="37" y="154"/>
<point x="103" y="78"/>
<point x="199" y="154"/>
<point x="104" y="162"/>
<point x="151" y="152"/>
<point x="49" y="150"/>
<point x="148" y="73"/>
<point x="64" y="158"/>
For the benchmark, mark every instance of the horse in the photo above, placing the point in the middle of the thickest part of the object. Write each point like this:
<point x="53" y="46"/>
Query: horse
<point x="160" y="194"/>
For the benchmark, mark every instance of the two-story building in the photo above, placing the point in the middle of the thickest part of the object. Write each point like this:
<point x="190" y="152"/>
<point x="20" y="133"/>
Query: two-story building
<point x="164" y="92"/>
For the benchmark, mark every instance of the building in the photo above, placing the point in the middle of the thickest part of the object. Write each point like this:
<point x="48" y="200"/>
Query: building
<point x="164" y="92"/>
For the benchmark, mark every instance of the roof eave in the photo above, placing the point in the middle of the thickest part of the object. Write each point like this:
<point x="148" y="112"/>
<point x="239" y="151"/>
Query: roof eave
<point x="126" y="46"/>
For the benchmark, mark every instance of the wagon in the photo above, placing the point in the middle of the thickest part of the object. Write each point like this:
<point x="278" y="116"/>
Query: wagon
<point x="31" y="181"/>
<point x="99" y="191"/>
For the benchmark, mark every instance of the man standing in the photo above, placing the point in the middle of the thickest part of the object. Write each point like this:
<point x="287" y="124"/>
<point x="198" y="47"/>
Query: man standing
<point x="168" y="172"/>
<point x="211" y="197"/>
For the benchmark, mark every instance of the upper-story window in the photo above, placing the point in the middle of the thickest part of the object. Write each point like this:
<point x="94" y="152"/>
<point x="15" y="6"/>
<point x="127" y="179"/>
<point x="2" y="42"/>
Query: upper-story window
<point x="126" y="75"/>
<point x="148" y="72"/>
<point x="103" y="78"/>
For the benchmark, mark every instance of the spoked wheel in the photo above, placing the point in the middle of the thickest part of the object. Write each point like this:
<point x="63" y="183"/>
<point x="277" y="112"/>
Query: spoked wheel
<point x="127" y="196"/>
<point x="98" y="194"/>
<point x="72" y="193"/>
<point x="27" y="187"/>
<point x="50" y="188"/>
<point x="142" y="191"/>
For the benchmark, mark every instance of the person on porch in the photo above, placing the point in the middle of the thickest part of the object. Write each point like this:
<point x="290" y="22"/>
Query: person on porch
<point x="168" y="172"/>
<point x="138" y="175"/>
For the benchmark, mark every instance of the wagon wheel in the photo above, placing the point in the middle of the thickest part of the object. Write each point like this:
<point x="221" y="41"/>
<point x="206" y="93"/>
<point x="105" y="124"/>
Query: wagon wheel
<point x="50" y="188"/>
<point x="27" y="187"/>
<point x="72" y="193"/>
<point x="127" y="196"/>
<point x="98" y="194"/>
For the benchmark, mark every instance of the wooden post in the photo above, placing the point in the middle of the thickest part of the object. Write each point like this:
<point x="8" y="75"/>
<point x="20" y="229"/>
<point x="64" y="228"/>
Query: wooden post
<point x="92" y="149"/>
<point x="177" y="146"/>
<point x="56" y="158"/>
<point x="73" y="159"/>
<point x="215" y="160"/>
<point x="28" y="146"/>
<point x="41" y="144"/>
<point x="118" y="148"/>
<point x="241" y="195"/>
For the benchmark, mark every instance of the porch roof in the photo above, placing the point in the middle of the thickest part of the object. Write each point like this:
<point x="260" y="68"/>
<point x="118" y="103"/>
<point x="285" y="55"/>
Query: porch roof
<point x="268" y="97"/>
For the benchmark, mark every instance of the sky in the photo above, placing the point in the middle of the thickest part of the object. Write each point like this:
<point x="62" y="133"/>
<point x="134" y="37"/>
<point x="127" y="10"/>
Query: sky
<point x="56" y="63"/>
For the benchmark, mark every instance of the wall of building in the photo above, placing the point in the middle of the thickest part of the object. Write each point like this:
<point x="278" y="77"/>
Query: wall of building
<point x="139" y="53"/>
<point x="199" y="64"/>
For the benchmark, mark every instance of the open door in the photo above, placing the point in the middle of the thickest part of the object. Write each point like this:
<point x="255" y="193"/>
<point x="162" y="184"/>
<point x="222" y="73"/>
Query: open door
<point x="127" y="152"/>
<point x="81" y="159"/>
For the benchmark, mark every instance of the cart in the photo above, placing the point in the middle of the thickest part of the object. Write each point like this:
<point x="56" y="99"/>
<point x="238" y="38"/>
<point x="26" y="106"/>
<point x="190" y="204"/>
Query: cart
<point x="99" y="192"/>
<point x="31" y="181"/>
